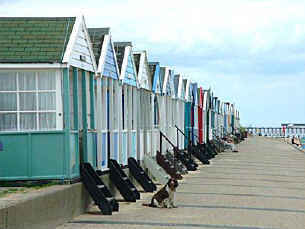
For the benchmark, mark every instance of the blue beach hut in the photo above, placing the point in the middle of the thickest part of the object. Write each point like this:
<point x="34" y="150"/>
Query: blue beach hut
<point x="179" y="107"/>
<point x="108" y="97"/>
<point x="144" y="104"/>
<point x="128" y="76"/>
<point x="156" y="90"/>
<point x="167" y="121"/>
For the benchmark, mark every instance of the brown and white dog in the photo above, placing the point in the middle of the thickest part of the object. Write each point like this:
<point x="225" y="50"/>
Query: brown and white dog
<point x="164" y="198"/>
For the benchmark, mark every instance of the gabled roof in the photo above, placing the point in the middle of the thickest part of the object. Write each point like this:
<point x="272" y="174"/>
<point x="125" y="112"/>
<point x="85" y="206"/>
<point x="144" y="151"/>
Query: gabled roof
<point x="97" y="39"/>
<point x="120" y="52"/>
<point x="128" y="72"/>
<point x="194" y="93"/>
<point x="171" y="82"/>
<point x="205" y="99"/>
<point x="200" y="96"/>
<point x="104" y="52"/>
<point x="143" y="70"/>
<point x="180" y="87"/>
<point x="187" y="86"/>
<point x="34" y="39"/>
<point x="167" y="81"/>
<point x="155" y="72"/>
<point x="176" y="84"/>
<point x="137" y="57"/>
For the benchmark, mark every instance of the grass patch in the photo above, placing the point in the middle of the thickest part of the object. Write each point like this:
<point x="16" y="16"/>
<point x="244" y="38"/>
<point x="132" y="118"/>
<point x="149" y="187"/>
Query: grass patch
<point x="11" y="191"/>
<point x="24" y="186"/>
<point x="29" y="184"/>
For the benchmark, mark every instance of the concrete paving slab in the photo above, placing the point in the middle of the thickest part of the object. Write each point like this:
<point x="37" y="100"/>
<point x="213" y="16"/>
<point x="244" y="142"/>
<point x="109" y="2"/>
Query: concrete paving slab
<point x="261" y="187"/>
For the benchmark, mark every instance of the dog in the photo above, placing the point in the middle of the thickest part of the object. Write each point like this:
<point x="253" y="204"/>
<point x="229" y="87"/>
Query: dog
<point x="164" y="198"/>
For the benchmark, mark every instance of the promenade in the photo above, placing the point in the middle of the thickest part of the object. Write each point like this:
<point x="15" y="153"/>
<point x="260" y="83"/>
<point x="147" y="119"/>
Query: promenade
<point x="261" y="187"/>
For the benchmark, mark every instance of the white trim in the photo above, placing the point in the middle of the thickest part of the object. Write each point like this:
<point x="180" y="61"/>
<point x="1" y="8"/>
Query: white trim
<point x="72" y="40"/>
<point x="32" y="66"/>
<point x="101" y="61"/>
<point x="180" y="87"/>
<point x="58" y="100"/>
<point x="128" y="51"/>
<point x="89" y="44"/>
<point x="78" y="25"/>
<point x="114" y="54"/>
<point x="164" y="86"/>
<point x="187" y="90"/>
<point x="134" y="68"/>
<point x="59" y="104"/>
<point x="125" y="62"/>
<point x="149" y="76"/>
<point x="144" y="62"/>
<point x="140" y="73"/>
<point x="99" y="120"/>
<point x="205" y="97"/>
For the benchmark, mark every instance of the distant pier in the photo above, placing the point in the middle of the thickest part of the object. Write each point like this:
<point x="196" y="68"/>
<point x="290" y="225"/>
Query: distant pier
<point x="277" y="131"/>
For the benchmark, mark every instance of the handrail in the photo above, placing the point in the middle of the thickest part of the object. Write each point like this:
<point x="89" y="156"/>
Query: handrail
<point x="163" y="135"/>
<point x="181" y="132"/>
<point x="166" y="138"/>
<point x="188" y="138"/>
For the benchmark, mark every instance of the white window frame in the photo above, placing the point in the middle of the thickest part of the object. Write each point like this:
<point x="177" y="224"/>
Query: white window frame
<point x="58" y="100"/>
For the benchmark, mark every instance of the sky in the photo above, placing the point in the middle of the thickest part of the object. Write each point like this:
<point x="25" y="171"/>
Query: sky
<point x="249" y="52"/>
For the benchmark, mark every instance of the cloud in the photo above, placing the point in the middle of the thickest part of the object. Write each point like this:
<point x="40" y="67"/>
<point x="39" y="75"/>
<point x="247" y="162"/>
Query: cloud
<point x="251" y="52"/>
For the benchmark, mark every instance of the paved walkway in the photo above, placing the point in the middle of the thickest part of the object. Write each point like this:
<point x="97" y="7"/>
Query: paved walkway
<point x="261" y="187"/>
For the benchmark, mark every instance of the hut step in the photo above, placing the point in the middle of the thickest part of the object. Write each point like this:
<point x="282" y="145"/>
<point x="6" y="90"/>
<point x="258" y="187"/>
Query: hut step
<point x="92" y="182"/>
<point x="122" y="182"/>
<point x="138" y="173"/>
<point x="155" y="169"/>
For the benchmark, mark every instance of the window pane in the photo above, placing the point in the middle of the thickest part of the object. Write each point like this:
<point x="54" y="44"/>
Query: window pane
<point x="8" y="121"/>
<point x="28" y="121"/>
<point x="27" y="81"/>
<point x="47" y="121"/>
<point x="47" y="101"/>
<point x="8" y="102"/>
<point x="8" y="81"/>
<point x="46" y="80"/>
<point x="27" y="101"/>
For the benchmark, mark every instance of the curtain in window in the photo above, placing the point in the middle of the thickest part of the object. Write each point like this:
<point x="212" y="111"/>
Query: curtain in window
<point x="47" y="121"/>
<point x="8" y="121"/>
<point x="36" y="95"/>
<point x="28" y="121"/>
<point x="8" y="101"/>
<point x="8" y="81"/>
<point x="46" y="80"/>
<point x="27" y="81"/>
<point x="27" y="101"/>
<point x="47" y="101"/>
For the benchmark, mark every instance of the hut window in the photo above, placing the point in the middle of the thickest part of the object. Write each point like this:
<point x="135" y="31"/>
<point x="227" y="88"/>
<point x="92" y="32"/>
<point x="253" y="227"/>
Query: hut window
<point x="28" y="100"/>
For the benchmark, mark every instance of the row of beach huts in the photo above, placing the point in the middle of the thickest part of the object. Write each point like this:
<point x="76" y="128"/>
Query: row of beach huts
<point x="70" y="94"/>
